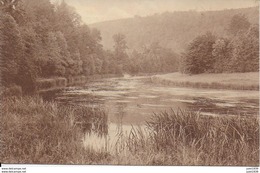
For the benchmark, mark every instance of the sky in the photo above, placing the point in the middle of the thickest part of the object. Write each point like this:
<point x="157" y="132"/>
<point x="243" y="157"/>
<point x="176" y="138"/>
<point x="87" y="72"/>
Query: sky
<point x="93" y="11"/>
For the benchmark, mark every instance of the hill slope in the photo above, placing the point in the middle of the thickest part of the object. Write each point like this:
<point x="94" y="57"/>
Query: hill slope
<point x="171" y="29"/>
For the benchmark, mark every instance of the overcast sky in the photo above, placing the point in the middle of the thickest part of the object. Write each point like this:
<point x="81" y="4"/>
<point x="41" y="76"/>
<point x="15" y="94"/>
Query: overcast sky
<point x="93" y="11"/>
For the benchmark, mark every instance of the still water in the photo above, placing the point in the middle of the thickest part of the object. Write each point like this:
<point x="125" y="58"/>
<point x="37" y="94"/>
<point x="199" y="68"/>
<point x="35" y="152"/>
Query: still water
<point x="132" y="100"/>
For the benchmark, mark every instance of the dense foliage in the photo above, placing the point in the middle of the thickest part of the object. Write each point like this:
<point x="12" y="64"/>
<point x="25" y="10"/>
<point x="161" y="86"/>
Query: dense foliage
<point x="43" y="40"/>
<point x="153" y="59"/>
<point x="238" y="52"/>
<point x="40" y="39"/>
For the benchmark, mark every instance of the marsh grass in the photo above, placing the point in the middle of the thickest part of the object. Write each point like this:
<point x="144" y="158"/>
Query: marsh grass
<point x="40" y="132"/>
<point x="193" y="139"/>
<point x="35" y="131"/>
<point x="188" y="138"/>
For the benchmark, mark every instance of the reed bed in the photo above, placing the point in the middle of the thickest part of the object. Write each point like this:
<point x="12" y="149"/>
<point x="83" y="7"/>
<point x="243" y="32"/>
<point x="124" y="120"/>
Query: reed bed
<point x="192" y="139"/>
<point x="39" y="132"/>
<point x="187" y="138"/>
<point x="36" y="131"/>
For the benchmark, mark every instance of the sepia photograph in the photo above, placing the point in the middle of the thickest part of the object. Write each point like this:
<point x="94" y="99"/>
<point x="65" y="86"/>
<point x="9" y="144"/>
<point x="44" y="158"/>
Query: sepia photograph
<point x="129" y="83"/>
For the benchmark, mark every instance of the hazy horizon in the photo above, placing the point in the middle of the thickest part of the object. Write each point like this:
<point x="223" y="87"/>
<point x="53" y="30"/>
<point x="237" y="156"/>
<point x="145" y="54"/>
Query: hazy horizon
<point x="105" y="10"/>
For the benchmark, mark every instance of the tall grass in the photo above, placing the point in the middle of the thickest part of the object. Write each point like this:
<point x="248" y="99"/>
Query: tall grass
<point x="192" y="139"/>
<point x="188" y="138"/>
<point x="35" y="131"/>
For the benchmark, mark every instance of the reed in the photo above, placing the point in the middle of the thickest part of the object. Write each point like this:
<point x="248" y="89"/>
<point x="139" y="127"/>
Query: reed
<point x="36" y="131"/>
<point x="188" y="138"/>
<point x="40" y="132"/>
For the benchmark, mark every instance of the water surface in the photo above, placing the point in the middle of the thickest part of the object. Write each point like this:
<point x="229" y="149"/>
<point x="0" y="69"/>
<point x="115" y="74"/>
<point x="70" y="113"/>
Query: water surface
<point x="133" y="100"/>
<point x="130" y="102"/>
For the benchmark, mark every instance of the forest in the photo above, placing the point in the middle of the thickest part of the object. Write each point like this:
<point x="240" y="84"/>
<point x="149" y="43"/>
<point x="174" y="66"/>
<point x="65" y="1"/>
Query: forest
<point x="41" y="39"/>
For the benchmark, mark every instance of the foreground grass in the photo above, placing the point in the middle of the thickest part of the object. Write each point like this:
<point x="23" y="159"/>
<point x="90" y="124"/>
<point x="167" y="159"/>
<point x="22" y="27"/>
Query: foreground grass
<point x="187" y="138"/>
<point x="34" y="131"/>
<point x="193" y="139"/>
<point x="236" y="81"/>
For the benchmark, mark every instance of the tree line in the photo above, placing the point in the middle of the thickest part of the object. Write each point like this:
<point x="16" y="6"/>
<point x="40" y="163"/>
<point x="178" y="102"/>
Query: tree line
<point x="150" y="58"/>
<point x="238" y="52"/>
<point x="42" y="40"/>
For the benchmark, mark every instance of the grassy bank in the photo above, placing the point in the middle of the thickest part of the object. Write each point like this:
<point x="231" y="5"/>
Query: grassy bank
<point x="34" y="131"/>
<point x="236" y="81"/>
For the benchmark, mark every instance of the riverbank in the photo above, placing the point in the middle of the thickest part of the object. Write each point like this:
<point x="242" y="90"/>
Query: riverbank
<point x="45" y="85"/>
<point x="41" y="132"/>
<point x="231" y="81"/>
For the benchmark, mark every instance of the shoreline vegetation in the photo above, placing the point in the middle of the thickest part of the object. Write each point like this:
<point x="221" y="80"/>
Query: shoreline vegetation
<point x="44" y="85"/>
<point x="53" y="84"/>
<point x="43" y="132"/>
<point x="230" y="81"/>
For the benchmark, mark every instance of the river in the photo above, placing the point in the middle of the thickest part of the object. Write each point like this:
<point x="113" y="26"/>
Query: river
<point x="132" y="100"/>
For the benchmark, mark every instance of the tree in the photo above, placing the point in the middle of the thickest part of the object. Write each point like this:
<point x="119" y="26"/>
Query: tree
<point x="11" y="48"/>
<point x="120" y="48"/>
<point x="16" y="67"/>
<point x="55" y="64"/>
<point x="66" y="18"/>
<point x="238" y="23"/>
<point x="245" y="51"/>
<point x="13" y="8"/>
<point x="198" y="57"/>
<point x="8" y="5"/>
<point x="135" y="62"/>
<point x="222" y="55"/>
<point x="86" y="46"/>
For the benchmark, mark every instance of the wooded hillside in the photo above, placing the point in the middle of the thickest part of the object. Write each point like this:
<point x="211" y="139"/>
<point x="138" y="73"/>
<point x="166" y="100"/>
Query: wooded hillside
<point x="171" y="29"/>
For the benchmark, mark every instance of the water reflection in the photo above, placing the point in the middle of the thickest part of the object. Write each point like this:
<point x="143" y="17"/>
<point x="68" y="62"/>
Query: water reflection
<point x="114" y="141"/>
<point x="131" y="101"/>
<point x="120" y="114"/>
